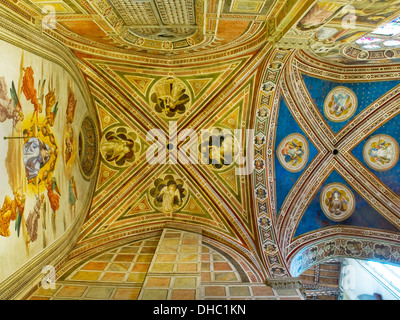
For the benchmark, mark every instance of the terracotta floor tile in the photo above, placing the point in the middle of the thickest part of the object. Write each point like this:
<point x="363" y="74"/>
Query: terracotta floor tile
<point x="86" y="275"/>
<point x="185" y="282"/>
<point x="189" y="249"/>
<point x="162" y="267"/>
<point x="169" y="242"/>
<point x="262" y="291"/>
<point x="183" y="294"/>
<point x="165" y="257"/>
<point x="69" y="291"/>
<point x="154" y="294"/>
<point x="144" y="258"/>
<point x="172" y="235"/>
<point x="96" y="266"/>
<point x="205" y="266"/>
<point x="190" y="242"/>
<point x="225" y="276"/>
<point x="187" y="267"/>
<point x="103" y="293"/>
<point x="126" y="293"/>
<point x="113" y="276"/>
<point x="188" y="257"/>
<point x="168" y="249"/>
<point x="140" y="267"/>
<point x="159" y="282"/>
<point x="148" y="250"/>
<point x="218" y="291"/>
<point x="136" y="277"/>
<point x="46" y="292"/>
<point x="205" y="276"/>
<point x="119" y="266"/>
<point x="239" y="291"/>
<point x="222" y="266"/>
<point x="205" y="257"/>
<point x="151" y="243"/>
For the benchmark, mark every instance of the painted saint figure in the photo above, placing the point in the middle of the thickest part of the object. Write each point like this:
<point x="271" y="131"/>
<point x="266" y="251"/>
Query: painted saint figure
<point x="337" y="203"/>
<point x="36" y="155"/>
<point x="32" y="222"/>
<point x="72" y="195"/>
<point x="292" y="152"/>
<point x="341" y="102"/>
<point x="383" y="152"/>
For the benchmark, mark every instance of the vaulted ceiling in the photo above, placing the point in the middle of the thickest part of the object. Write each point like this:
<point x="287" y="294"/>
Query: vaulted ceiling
<point x="234" y="65"/>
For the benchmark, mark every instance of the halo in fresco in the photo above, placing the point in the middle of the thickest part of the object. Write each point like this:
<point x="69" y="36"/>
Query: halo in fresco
<point x="381" y="152"/>
<point x="293" y="152"/>
<point x="337" y="201"/>
<point x="340" y="104"/>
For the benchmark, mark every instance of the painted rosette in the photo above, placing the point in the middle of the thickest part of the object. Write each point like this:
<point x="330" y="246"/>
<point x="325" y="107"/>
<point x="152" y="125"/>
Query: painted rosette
<point x="293" y="152"/>
<point x="337" y="201"/>
<point x="381" y="152"/>
<point x="340" y="104"/>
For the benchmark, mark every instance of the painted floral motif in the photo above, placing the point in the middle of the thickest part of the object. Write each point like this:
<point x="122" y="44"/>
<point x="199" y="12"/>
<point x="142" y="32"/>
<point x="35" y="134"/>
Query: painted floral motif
<point x="292" y="152"/>
<point x="340" y="104"/>
<point x="337" y="201"/>
<point x="381" y="152"/>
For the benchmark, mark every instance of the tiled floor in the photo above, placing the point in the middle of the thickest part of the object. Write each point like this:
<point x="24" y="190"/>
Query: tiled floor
<point x="215" y="267"/>
<point x="173" y="266"/>
<point x="174" y="273"/>
<point x="116" y="274"/>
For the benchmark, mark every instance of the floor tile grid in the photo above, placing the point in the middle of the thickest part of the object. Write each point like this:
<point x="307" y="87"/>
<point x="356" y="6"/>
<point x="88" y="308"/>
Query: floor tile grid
<point x="75" y="287"/>
<point x="121" y="261"/>
<point x="210" y="261"/>
<point x="180" y="248"/>
<point x="240" y="291"/>
<point x="174" y="272"/>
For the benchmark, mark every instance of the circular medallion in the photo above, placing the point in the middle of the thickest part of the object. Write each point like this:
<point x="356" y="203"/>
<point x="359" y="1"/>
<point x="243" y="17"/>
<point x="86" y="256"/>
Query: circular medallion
<point x="120" y="147"/>
<point x="381" y="152"/>
<point x="219" y="148"/>
<point x="170" y="98"/>
<point x="337" y="201"/>
<point x="340" y="104"/>
<point x="293" y="152"/>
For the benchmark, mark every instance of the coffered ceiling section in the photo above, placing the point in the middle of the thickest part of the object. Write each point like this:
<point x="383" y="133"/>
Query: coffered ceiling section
<point x="152" y="26"/>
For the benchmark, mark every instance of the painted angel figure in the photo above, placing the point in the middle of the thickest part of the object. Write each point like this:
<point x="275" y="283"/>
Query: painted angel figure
<point x="36" y="155"/>
<point x="10" y="108"/>
<point x="170" y="196"/>
<point x="11" y="210"/>
<point x="383" y="152"/>
<point x="292" y="152"/>
<point x="51" y="105"/>
<point x="340" y="103"/>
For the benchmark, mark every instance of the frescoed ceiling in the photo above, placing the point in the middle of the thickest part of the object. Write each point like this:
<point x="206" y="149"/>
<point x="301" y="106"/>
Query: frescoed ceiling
<point x="292" y="71"/>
